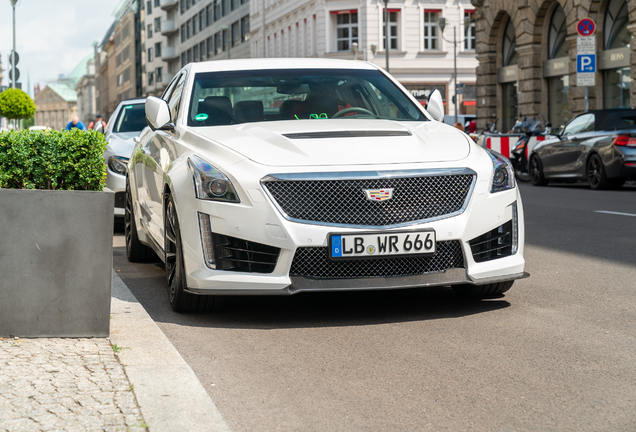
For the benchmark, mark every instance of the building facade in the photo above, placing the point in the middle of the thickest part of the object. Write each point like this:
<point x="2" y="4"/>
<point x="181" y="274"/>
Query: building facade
<point x="86" y="94"/>
<point x="421" y="56"/>
<point x="128" y="59"/>
<point x="55" y="105"/>
<point x="159" y="27"/>
<point x="527" y="59"/>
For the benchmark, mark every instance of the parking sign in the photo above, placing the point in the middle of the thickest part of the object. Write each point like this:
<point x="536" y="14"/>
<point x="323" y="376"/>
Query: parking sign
<point x="585" y="63"/>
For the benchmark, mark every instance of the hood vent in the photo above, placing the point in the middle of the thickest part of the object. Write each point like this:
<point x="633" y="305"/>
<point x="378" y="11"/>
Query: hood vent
<point x="346" y="134"/>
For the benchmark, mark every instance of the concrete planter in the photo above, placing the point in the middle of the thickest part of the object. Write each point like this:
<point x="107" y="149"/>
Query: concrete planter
<point x="55" y="263"/>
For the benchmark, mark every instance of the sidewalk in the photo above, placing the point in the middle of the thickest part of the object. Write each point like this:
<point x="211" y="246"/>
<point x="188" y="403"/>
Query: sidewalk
<point x="138" y="383"/>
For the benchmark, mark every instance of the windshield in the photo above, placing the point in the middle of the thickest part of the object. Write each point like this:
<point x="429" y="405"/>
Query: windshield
<point x="224" y="98"/>
<point x="132" y="118"/>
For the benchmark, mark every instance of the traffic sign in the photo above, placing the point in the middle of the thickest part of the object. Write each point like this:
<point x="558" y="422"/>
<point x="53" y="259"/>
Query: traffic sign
<point x="585" y="63"/>
<point x="586" y="27"/>
<point x="586" y="45"/>
<point x="17" y="74"/>
<point x="17" y="59"/>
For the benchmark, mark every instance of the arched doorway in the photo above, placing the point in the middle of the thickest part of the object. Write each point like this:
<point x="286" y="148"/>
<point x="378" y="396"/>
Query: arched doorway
<point x="614" y="59"/>
<point x="508" y="78"/>
<point x="556" y="69"/>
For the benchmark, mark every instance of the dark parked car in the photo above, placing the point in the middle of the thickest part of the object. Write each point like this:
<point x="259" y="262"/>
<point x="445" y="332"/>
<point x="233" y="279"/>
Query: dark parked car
<point x="598" y="146"/>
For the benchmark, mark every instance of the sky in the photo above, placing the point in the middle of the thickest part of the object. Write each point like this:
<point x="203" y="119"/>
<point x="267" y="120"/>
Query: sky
<point x="52" y="36"/>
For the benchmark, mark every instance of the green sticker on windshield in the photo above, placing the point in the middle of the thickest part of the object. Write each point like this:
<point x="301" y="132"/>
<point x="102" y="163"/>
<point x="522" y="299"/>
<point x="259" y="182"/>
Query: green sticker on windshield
<point x="201" y="117"/>
<point x="128" y="106"/>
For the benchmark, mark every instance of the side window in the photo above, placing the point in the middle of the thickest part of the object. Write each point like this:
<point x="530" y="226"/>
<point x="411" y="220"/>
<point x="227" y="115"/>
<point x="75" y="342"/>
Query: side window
<point x="175" y="98"/>
<point x="589" y="127"/>
<point x="577" y="125"/>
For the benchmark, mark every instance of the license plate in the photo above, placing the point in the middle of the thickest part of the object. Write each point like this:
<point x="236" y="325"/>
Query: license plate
<point x="374" y="244"/>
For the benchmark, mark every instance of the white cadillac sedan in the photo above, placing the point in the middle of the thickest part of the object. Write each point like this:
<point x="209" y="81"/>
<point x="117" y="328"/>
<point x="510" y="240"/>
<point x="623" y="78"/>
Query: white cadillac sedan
<point x="290" y="175"/>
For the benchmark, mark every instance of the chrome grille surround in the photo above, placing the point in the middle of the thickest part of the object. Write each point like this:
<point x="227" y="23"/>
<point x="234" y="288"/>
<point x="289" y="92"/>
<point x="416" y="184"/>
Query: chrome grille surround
<point x="339" y="199"/>
<point x="314" y="262"/>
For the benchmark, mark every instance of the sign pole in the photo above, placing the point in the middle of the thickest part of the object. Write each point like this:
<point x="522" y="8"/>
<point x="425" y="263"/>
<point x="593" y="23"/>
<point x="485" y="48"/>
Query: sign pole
<point x="587" y="101"/>
<point x="586" y="57"/>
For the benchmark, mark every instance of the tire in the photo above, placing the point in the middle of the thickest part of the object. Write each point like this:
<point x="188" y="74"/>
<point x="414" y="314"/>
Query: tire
<point x="535" y="170"/>
<point x="483" y="291"/>
<point x="180" y="300"/>
<point x="135" y="250"/>
<point x="596" y="176"/>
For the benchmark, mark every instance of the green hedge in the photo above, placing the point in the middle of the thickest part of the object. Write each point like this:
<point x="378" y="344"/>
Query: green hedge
<point x="52" y="160"/>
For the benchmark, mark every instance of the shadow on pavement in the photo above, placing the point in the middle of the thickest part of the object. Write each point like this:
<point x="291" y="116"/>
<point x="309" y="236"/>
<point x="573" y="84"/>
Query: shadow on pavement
<point x="303" y="310"/>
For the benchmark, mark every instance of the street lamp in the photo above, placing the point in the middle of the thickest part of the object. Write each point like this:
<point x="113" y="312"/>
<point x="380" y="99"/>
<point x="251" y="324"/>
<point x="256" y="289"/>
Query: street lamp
<point x="14" y="77"/>
<point x="441" y="23"/>
<point x="229" y="42"/>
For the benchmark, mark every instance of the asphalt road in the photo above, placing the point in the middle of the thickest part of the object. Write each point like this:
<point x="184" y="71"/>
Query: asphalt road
<point x="557" y="353"/>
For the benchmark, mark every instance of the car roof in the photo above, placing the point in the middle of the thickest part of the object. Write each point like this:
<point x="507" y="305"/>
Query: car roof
<point x="614" y="118"/>
<point x="280" y="64"/>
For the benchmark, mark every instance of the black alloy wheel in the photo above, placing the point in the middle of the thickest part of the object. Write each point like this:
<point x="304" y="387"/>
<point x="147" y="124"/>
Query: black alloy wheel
<point x="180" y="300"/>
<point x="596" y="176"/>
<point x="135" y="250"/>
<point x="536" y="171"/>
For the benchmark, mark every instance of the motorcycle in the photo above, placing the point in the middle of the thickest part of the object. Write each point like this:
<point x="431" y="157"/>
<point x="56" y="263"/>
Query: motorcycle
<point x="519" y="155"/>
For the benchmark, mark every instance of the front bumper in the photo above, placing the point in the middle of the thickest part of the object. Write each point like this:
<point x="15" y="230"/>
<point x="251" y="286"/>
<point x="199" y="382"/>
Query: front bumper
<point x="257" y="220"/>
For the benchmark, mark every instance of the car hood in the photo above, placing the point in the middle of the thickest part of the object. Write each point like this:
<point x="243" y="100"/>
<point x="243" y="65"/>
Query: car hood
<point x="121" y="144"/>
<point x="341" y="142"/>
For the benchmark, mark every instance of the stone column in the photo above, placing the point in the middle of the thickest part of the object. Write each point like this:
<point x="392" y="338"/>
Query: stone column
<point x="632" y="69"/>
<point x="530" y="85"/>
<point x="486" y="89"/>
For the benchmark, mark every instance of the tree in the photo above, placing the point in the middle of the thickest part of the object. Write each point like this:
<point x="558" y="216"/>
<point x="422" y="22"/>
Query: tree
<point x="16" y="104"/>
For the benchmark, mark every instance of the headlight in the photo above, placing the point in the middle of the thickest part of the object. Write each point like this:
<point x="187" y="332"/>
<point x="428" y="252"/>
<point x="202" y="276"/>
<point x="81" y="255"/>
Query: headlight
<point x="210" y="183"/>
<point x="118" y="164"/>
<point x="503" y="175"/>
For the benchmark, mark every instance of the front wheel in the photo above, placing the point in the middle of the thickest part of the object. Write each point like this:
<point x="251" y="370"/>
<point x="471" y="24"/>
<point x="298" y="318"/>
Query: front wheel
<point x="180" y="300"/>
<point x="536" y="171"/>
<point x="483" y="291"/>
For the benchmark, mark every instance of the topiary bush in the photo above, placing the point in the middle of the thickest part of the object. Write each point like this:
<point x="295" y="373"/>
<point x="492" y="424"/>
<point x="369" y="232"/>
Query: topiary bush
<point x="61" y="160"/>
<point x="16" y="104"/>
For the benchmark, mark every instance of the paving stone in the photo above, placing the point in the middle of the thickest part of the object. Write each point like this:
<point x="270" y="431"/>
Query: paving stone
<point x="59" y="384"/>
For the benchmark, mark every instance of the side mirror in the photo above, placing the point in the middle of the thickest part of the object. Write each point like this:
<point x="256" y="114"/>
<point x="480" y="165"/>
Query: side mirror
<point x="435" y="106"/>
<point x="158" y="114"/>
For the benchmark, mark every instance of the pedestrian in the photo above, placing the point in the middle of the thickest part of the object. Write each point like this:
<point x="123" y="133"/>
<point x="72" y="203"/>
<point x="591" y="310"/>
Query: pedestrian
<point x="99" y="124"/>
<point x="459" y="126"/>
<point x="75" y="123"/>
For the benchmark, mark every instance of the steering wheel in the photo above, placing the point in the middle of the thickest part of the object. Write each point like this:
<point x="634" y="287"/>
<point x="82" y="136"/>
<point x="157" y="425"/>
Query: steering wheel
<point x="351" y="110"/>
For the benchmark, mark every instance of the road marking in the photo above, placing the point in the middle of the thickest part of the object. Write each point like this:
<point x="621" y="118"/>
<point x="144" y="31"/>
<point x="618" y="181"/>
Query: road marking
<point x="615" y="213"/>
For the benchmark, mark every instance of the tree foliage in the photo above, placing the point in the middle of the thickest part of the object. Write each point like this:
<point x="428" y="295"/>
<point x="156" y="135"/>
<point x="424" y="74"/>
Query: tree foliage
<point x="16" y="104"/>
<point x="62" y="160"/>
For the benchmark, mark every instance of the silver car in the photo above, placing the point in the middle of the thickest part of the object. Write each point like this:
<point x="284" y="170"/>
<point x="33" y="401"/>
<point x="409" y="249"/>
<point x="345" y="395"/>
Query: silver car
<point x="127" y="121"/>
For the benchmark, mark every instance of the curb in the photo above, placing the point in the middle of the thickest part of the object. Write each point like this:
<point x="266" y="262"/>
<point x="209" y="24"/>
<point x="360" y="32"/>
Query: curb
<point x="169" y="394"/>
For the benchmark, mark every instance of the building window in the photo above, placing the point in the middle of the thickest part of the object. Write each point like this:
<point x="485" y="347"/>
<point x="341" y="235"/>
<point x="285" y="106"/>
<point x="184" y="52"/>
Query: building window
<point x="188" y="29"/>
<point x="157" y="24"/>
<point x="224" y="42"/>
<point x="245" y="28"/>
<point x="209" y="18"/>
<point x="195" y="26"/>
<point x="393" y="29"/>
<point x="151" y="77"/>
<point x="157" y="3"/>
<point x="226" y="7"/>
<point x="195" y="53"/>
<point x="615" y="33"/>
<point x="346" y="30"/>
<point x="217" y="10"/>
<point x="210" y="46"/>
<point x="126" y="53"/>
<point x="150" y="56"/>
<point x="183" y="59"/>
<point x="202" y="21"/>
<point x="202" y="50"/>
<point x="235" y="4"/>
<point x="218" y="42"/>
<point x="120" y="80"/>
<point x="182" y="6"/>
<point x="148" y="7"/>
<point x="244" y="1"/>
<point x="510" y="45"/>
<point x="431" y="31"/>
<point x="149" y="33"/>
<point x="158" y="49"/>
<point x="236" y="34"/>
<point x="189" y="52"/>
<point x="557" y="47"/>
<point x="469" y="32"/>
<point x="159" y="74"/>
<point x="118" y="60"/>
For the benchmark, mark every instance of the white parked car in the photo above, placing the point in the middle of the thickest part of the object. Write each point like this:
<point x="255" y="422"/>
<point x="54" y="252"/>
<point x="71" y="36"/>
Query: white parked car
<point x="278" y="177"/>
<point x="126" y="122"/>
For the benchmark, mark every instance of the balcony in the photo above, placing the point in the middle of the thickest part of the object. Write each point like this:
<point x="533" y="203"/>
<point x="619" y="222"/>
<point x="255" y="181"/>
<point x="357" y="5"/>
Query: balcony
<point x="169" y="54"/>
<point x="168" y="5"/>
<point x="168" y="28"/>
<point x="166" y="78"/>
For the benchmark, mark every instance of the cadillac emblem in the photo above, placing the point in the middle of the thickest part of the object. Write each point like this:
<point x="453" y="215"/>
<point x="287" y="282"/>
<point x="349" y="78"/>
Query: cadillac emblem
<point x="379" y="194"/>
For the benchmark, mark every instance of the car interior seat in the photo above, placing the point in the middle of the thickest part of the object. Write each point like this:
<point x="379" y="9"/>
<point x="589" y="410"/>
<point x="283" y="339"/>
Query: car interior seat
<point x="287" y="108"/>
<point x="218" y="109"/>
<point x="248" y="111"/>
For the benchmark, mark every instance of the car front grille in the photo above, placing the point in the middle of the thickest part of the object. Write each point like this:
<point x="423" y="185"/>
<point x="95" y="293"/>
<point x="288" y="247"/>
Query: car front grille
<point x="494" y="244"/>
<point x="344" y="202"/>
<point x="313" y="262"/>
<point x="233" y="254"/>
